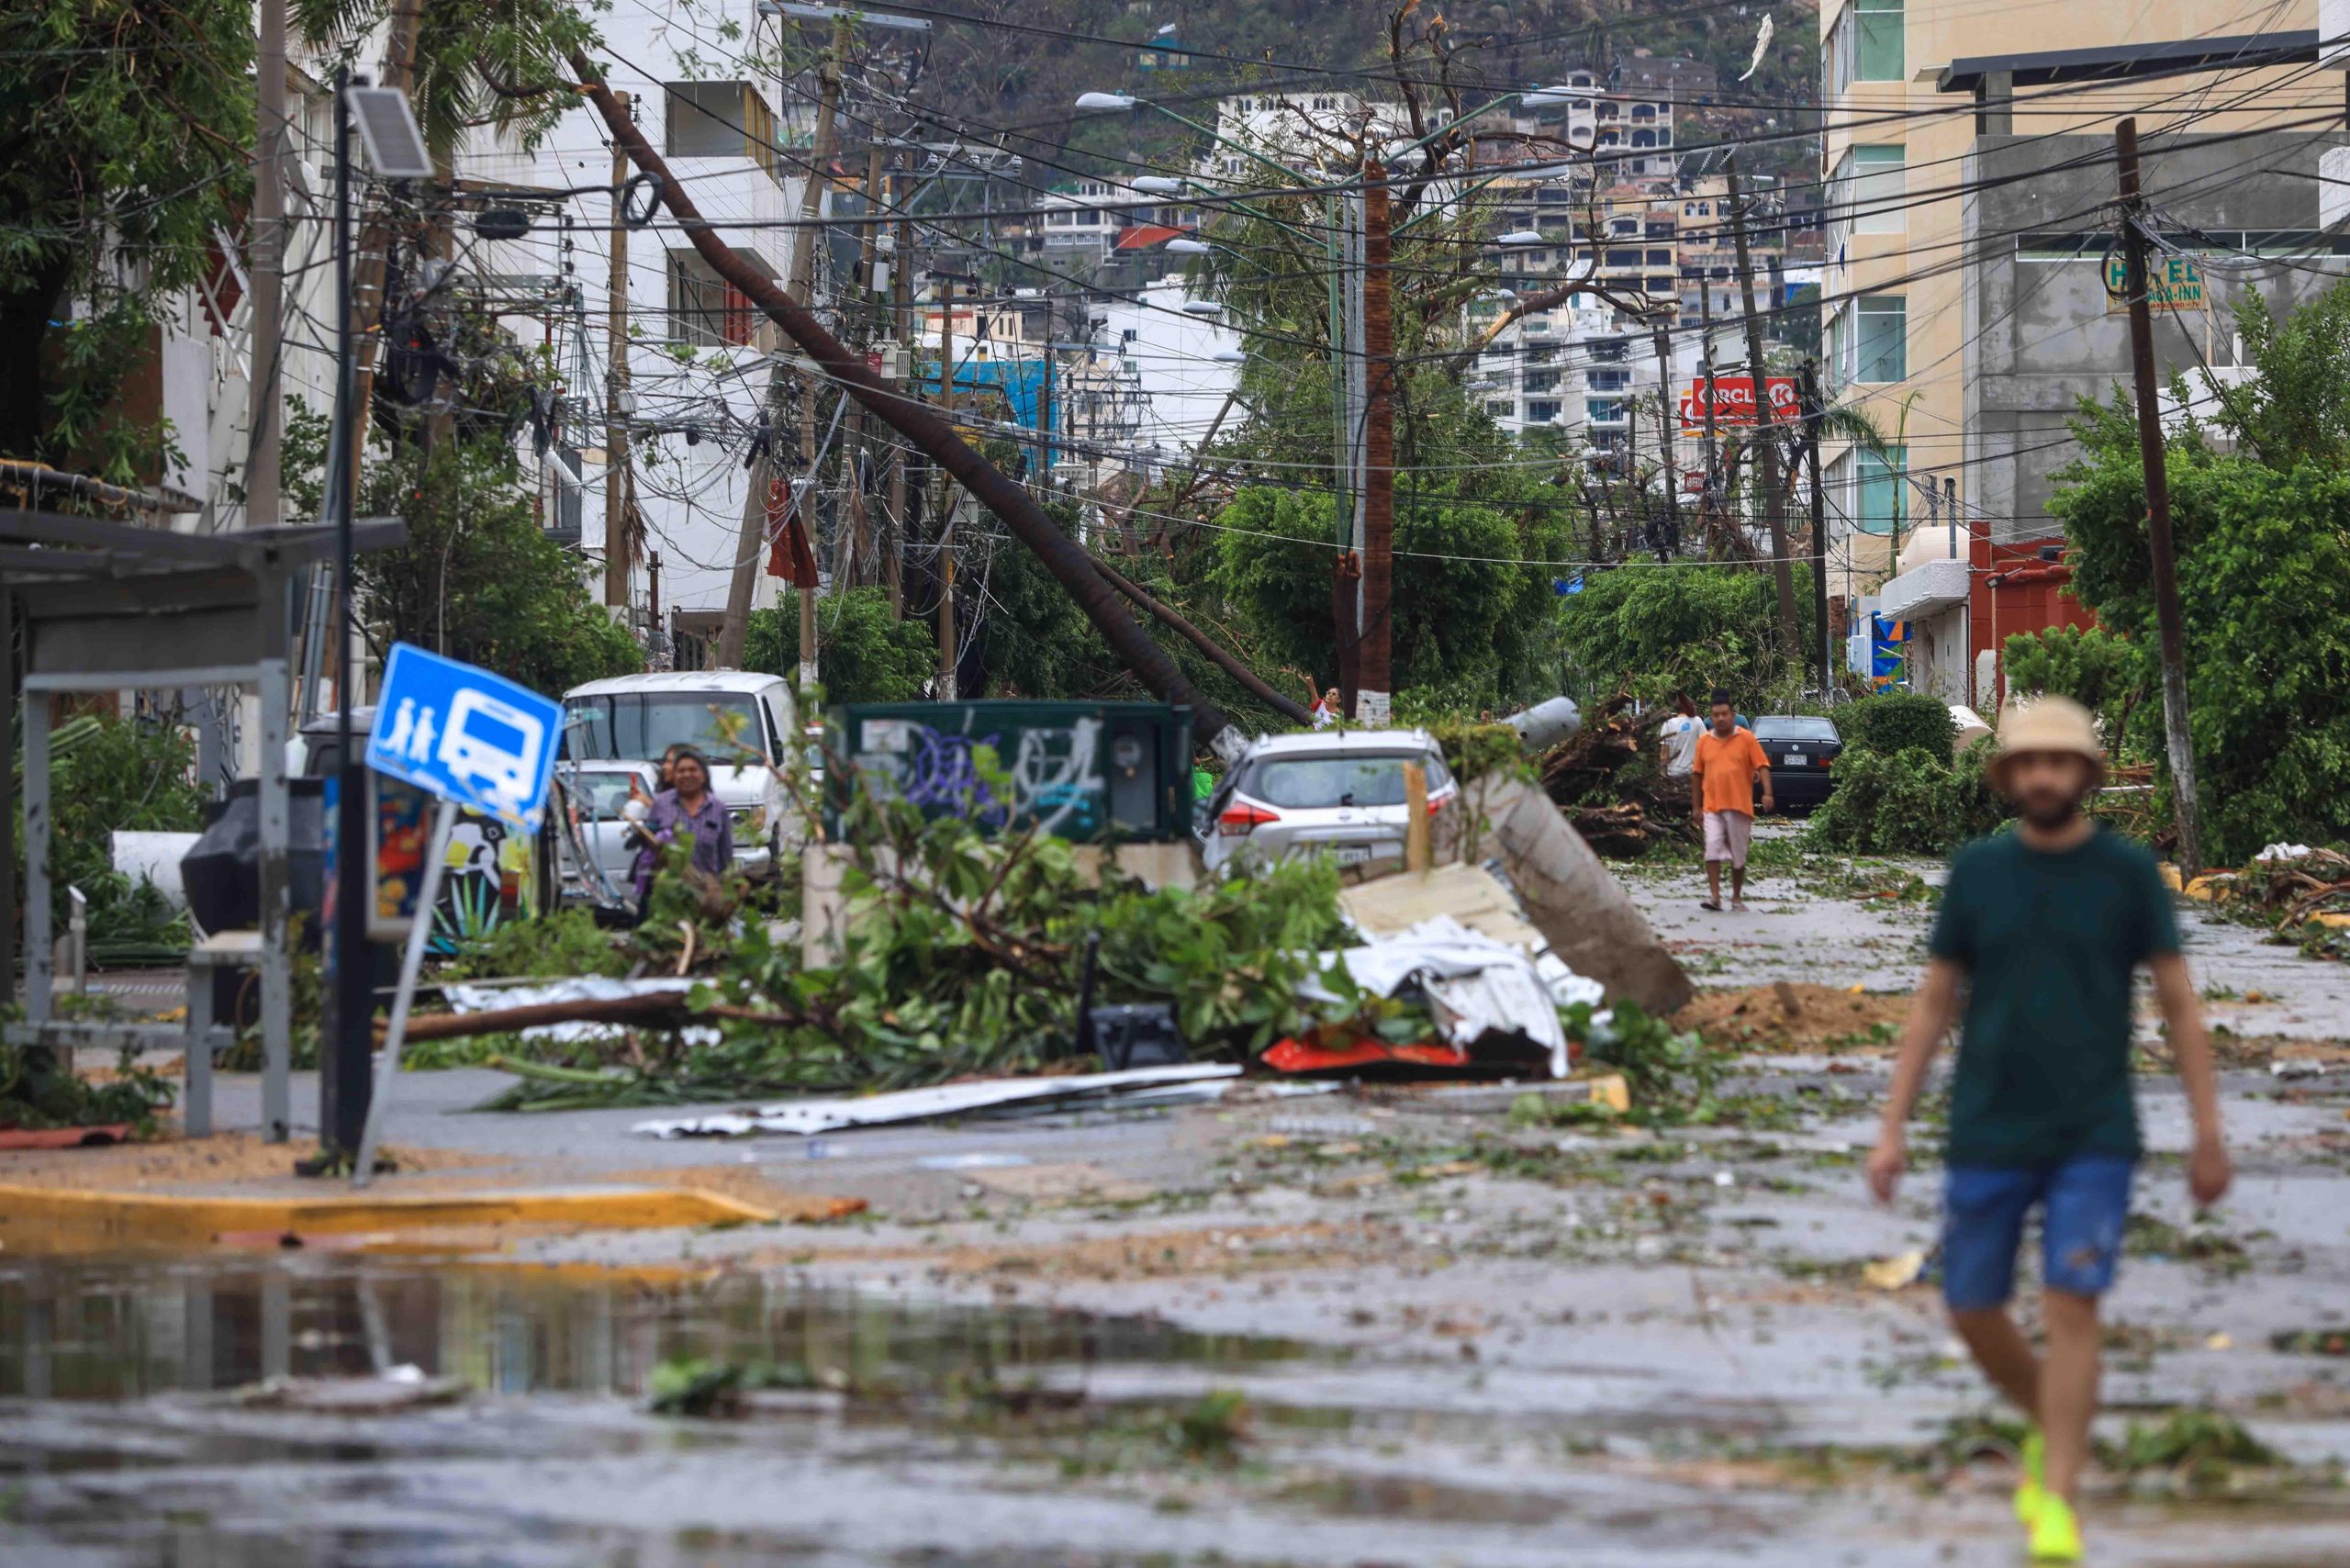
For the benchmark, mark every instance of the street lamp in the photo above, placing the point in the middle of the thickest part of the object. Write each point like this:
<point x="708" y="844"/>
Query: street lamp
<point x="1186" y="246"/>
<point x="1157" y="185"/>
<point x="1201" y="308"/>
<point x="1104" y="103"/>
<point x="1522" y="237"/>
<point x="1229" y="357"/>
<point x="396" y="151"/>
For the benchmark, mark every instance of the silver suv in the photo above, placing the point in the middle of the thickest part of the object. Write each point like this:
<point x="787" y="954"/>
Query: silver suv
<point x="1336" y="791"/>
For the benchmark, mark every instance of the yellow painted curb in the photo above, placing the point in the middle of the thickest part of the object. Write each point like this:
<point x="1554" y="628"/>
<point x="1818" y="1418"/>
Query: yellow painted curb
<point x="96" y="1219"/>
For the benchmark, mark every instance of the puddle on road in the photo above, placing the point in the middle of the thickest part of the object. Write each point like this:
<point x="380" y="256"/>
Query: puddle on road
<point x="123" y="1330"/>
<point x="121" y="1447"/>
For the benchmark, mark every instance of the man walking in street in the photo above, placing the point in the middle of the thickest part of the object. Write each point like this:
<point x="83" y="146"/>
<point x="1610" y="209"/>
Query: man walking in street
<point x="2046" y="926"/>
<point x="1722" y="775"/>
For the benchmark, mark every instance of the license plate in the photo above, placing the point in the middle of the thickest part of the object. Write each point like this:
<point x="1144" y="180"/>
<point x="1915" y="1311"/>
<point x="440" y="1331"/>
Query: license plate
<point x="1353" y="854"/>
<point x="1799" y="762"/>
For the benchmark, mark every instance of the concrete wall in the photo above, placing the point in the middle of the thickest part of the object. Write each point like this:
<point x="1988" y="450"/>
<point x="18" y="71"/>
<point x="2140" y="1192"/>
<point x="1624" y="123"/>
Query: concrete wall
<point x="2040" y="334"/>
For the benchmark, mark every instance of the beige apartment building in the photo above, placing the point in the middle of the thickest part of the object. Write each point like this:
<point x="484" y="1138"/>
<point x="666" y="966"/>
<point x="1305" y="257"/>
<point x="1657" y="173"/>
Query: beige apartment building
<point x="1907" y="88"/>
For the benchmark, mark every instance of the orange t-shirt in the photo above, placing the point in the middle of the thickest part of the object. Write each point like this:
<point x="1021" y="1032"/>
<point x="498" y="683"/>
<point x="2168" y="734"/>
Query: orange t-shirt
<point x="1726" y="769"/>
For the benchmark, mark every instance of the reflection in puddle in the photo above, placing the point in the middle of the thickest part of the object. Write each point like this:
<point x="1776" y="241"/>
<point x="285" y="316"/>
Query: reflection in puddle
<point x="124" y="1330"/>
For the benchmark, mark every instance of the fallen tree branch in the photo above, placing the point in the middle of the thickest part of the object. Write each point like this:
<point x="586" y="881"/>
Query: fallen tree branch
<point x="1287" y="707"/>
<point x="665" y="1007"/>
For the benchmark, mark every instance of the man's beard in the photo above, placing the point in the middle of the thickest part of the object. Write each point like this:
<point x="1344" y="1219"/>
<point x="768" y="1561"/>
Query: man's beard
<point x="2051" y="812"/>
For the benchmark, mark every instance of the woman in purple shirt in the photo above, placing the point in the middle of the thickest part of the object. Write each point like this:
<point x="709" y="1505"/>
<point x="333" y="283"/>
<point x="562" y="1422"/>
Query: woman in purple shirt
<point x="686" y="806"/>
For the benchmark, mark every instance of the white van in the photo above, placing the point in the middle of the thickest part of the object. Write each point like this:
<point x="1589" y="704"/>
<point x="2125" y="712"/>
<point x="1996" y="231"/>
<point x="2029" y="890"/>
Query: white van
<point x="740" y="720"/>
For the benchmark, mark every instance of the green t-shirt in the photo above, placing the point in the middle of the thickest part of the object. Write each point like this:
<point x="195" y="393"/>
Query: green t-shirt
<point x="2049" y="943"/>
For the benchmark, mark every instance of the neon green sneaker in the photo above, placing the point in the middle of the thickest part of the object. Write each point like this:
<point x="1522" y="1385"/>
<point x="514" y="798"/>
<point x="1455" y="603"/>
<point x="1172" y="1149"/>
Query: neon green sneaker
<point x="2035" y="1484"/>
<point x="2056" y="1533"/>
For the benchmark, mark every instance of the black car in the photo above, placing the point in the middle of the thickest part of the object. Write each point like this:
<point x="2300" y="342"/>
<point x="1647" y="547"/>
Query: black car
<point x="1802" y="752"/>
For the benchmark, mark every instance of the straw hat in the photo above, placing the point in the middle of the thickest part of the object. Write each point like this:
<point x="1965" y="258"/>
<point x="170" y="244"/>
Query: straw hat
<point x="2047" y="723"/>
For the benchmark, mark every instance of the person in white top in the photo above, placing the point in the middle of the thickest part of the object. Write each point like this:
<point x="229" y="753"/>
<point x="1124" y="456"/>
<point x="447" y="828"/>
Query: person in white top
<point x="1679" y="736"/>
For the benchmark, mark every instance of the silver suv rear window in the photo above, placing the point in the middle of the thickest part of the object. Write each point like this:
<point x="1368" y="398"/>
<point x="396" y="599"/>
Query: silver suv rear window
<point x="1356" y="780"/>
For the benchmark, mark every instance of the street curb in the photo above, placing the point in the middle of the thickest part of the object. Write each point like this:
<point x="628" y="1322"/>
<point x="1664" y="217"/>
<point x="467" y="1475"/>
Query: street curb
<point x="69" y="1217"/>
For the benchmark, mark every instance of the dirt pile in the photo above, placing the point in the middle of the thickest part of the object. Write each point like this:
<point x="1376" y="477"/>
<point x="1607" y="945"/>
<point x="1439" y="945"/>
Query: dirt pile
<point x="1792" y="1016"/>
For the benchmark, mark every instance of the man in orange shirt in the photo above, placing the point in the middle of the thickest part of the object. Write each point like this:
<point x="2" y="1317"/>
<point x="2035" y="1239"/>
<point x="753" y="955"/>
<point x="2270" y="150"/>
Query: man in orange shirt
<point x="1721" y="787"/>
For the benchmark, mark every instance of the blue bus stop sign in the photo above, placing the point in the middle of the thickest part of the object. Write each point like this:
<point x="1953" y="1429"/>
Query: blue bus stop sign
<point x="465" y="734"/>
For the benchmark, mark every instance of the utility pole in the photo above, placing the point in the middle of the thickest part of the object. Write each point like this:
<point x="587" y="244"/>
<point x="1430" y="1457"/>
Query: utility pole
<point x="901" y="292"/>
<point x="749" y="548"/>
<point x="1713" y="452"/>
<point x="617" y="543"/>
<point x="1664" y="431"/>
<point x="652" y="595"/>
<point x="1813" y="410"/>
<point x="263" y="474"/>
<point x="1375" y="689"/>
<point x="859" y="567"/>
<point x="2178" y="742"/>
<point x="1774" y="502"/>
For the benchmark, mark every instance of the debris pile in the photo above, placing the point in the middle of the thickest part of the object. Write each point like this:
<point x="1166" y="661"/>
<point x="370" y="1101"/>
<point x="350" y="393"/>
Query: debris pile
<point x="1791" y="1015"/>
<point x="1604" y="777"/>
<point x="2303" y="893"/>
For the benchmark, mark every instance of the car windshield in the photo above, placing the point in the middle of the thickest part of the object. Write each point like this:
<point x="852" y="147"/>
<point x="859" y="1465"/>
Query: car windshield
<point x="597" y="794"/>
<point x="1356" y="780"/>
<point x="1793" y="729"/>
<point x="638" y="726"/>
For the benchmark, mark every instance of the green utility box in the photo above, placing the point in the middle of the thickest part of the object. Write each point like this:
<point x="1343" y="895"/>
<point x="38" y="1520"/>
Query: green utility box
<point x="1090" y="772"/>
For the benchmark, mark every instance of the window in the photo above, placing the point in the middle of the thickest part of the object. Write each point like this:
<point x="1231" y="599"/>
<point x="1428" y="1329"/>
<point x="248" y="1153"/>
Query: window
<point x="1644" y="139"/>
<point x="1660" y="258"/>
<point x="1880" y="485"/>
<point x="1610" y="380"/>
<point x="1865" y="45"/>
<point x="704" y="308"/>
<point x="1867" y="191"/>
<point x="1541" y="410"/>
<point x="1541" y="381"/>
<point x="1880" y="54"/>
<point x="1605" y="411"/>
<point x="722" y="119"/>
<point x="1882" y="337"/>
<point x="1623" y="258"/>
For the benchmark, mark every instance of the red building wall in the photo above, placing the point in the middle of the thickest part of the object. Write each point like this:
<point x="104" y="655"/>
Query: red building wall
<point x="2014" y="589"/>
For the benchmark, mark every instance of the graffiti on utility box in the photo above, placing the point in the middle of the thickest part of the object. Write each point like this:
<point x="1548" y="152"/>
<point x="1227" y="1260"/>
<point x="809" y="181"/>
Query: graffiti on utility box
<point x="1050" y="780"/>
<point x="1082" y="771"/>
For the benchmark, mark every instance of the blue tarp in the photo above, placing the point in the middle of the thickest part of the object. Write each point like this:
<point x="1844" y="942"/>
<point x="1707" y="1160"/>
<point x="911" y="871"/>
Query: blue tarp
<point x="1021" y="380"/>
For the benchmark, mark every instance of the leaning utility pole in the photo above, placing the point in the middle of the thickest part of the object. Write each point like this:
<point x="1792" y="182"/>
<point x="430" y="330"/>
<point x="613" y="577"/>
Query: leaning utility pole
<point x="263" y="474"/>
<point x="933" y="436"/>
<point x="1375" y="682"/>
<point x="618" y="548"/>
<point x="749" y="550"/>
<point x="2178" y="742"/>
<point x="1774" y="503"/>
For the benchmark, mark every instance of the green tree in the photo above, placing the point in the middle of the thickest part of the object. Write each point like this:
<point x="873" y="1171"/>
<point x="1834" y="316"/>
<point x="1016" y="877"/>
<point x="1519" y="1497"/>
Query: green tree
<point x="127" y="142"/>
<point x="1467" y="617"/>
<point x="862" y="656"/>
<point x="2106" y="673"/>
<point x="2263" y="546"/>
<point x="1657" y="628"/>
<point x="478" y="578"/>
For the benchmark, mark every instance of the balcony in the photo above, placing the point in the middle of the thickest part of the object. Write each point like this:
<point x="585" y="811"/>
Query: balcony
<point x="1925" y="591"/>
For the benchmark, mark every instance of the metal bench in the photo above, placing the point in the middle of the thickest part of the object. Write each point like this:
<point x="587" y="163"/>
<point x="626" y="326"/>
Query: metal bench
<point x="201" y="1038"/>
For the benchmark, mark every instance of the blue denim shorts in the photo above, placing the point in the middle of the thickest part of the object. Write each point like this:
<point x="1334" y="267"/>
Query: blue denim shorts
<point x="2084" y="1203"/>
